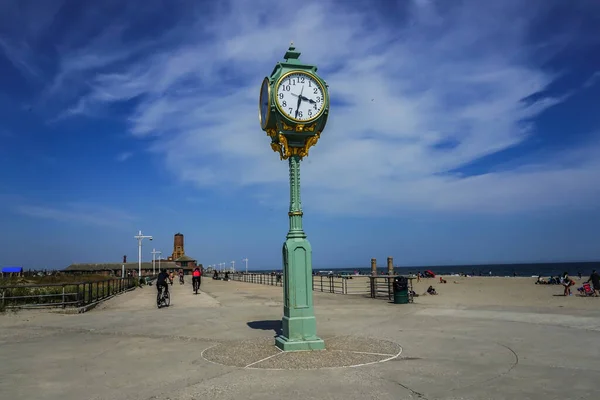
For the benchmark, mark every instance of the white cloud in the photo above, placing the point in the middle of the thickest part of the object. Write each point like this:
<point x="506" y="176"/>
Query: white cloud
<point x="461" y="76"/>
<point x="19" y="56"/>
<point x="81" y="213"/>
<point x="124" y="156"/>
<point x="592" y="80"/>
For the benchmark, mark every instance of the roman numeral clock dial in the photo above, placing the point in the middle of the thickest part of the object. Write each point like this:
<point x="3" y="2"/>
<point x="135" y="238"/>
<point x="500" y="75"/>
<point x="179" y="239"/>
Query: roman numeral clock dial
<point x="300" y="97"/>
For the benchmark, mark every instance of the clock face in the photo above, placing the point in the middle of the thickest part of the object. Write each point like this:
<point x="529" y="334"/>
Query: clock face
<point x="300" y="96"/>
<point x="263" y="104"/>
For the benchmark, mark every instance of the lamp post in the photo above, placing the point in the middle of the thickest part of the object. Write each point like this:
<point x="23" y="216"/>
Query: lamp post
<point x="246" y="259"/>
<point x="154" y="253"/>
<point x="159" y="258"/>
<point x="140" y="237"/>
<point x="233" y="267"/>
<point x="293" y="111"/>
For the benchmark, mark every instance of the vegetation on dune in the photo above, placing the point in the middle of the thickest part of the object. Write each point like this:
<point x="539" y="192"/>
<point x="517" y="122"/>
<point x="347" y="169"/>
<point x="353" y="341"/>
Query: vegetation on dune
<point x="52" y="279"/>
<point x="59" y="289"/>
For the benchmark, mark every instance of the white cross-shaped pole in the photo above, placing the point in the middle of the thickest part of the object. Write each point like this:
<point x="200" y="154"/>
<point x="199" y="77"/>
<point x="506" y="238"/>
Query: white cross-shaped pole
<point x="140" y="237"/>
<point x="154" y="253"/>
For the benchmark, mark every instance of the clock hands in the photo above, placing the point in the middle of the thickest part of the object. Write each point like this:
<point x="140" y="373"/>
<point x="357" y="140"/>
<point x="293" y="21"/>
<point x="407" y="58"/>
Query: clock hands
<point x="304" y="98"/>
<point x="299" y="101"/>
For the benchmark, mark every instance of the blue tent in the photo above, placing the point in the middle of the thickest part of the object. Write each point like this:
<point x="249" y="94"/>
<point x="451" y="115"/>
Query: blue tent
<point x="12" y="269"/>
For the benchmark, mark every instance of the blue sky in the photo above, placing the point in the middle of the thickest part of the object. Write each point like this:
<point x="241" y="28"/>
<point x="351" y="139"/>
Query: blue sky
<point x="459" y="132"/>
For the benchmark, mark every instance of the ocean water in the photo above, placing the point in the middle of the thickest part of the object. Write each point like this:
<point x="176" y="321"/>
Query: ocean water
<point x="526" y="270"/>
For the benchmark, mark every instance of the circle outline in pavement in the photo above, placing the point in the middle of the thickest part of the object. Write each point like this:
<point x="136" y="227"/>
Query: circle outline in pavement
<point x="254" y="365"/>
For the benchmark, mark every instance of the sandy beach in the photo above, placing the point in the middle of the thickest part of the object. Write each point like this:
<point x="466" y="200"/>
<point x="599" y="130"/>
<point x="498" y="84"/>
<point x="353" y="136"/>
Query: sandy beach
<point x="501" y="292"/>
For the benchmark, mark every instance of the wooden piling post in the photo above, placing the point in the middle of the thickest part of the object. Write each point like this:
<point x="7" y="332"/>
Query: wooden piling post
<point x="373" y="266"/>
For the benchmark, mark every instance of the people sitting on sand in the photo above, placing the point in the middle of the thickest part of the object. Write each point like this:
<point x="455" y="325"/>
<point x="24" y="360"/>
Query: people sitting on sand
<point x="431" y="290"/>
<point x="553" y="280"/>
<point x="442" y="280"/>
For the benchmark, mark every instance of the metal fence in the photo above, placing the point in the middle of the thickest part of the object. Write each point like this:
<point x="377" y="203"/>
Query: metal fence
<point x="376" y="287"/>
<point x="62" y="294"/>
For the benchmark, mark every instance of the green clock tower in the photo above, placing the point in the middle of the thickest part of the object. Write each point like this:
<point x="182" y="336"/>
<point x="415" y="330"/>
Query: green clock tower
<point x="293" y="111"/>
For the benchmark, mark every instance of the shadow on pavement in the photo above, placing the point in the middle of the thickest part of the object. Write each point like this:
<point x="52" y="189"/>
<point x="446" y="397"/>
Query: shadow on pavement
<point x="267" y="325"/>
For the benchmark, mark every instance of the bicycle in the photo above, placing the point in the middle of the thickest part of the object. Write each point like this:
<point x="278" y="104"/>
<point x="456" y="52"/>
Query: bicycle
<point x="163" y="298"/>
<point x="196" y="282"/>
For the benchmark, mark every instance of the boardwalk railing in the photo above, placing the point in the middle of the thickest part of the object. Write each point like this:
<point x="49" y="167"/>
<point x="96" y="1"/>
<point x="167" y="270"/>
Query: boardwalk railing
<point x="376" y="287"/>
<point x="62" y="294"/>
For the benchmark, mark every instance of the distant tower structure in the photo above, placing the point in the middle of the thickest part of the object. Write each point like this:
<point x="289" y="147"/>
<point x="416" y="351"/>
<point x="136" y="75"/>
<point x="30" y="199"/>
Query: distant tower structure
<point x="177" y="246"/>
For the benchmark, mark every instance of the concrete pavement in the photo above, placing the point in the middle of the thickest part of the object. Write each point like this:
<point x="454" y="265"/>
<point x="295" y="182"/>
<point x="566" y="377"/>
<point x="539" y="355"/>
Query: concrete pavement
<point x="128" y="349"/>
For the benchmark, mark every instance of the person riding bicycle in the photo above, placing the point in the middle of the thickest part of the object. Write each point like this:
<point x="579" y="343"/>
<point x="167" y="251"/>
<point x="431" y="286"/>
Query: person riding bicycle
<point x="196" y="276"/>
<point x="163" y="276"/>
<point x="180" y="276"/>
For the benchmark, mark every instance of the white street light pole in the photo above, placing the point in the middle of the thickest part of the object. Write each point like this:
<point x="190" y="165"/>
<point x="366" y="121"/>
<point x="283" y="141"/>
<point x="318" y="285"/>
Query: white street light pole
<point x="154" y="253"/>
<point x="159" y="258"/>
<point x="233" y="267"/>
<point x="140" y="237"/>
<point x="246" y="259"/>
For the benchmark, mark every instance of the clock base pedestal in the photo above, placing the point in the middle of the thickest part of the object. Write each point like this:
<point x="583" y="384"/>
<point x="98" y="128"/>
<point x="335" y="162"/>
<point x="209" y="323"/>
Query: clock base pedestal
<point x="299" y="327"/>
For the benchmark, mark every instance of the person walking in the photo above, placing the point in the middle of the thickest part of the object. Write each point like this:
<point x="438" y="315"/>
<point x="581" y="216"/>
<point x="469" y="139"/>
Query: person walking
<point x="595" y="279"/>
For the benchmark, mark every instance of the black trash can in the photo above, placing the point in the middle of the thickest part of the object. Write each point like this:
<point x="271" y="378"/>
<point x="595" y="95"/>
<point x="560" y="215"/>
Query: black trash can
<point x="400" y="290"/>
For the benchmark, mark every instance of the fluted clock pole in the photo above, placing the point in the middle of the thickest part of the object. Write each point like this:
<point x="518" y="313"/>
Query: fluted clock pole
<point x="299" y="323"/>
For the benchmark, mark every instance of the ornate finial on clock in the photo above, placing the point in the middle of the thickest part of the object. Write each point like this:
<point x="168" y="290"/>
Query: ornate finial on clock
<point x="291" y="54"/>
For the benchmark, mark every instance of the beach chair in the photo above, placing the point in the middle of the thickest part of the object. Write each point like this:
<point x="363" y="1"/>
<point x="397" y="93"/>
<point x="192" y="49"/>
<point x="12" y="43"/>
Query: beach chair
<point x="586" y="290"/>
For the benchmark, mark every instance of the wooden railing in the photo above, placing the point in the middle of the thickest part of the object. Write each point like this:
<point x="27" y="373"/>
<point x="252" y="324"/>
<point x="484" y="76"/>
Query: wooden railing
<point x="62" y="294"/>
<point x="376" y="287"/>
